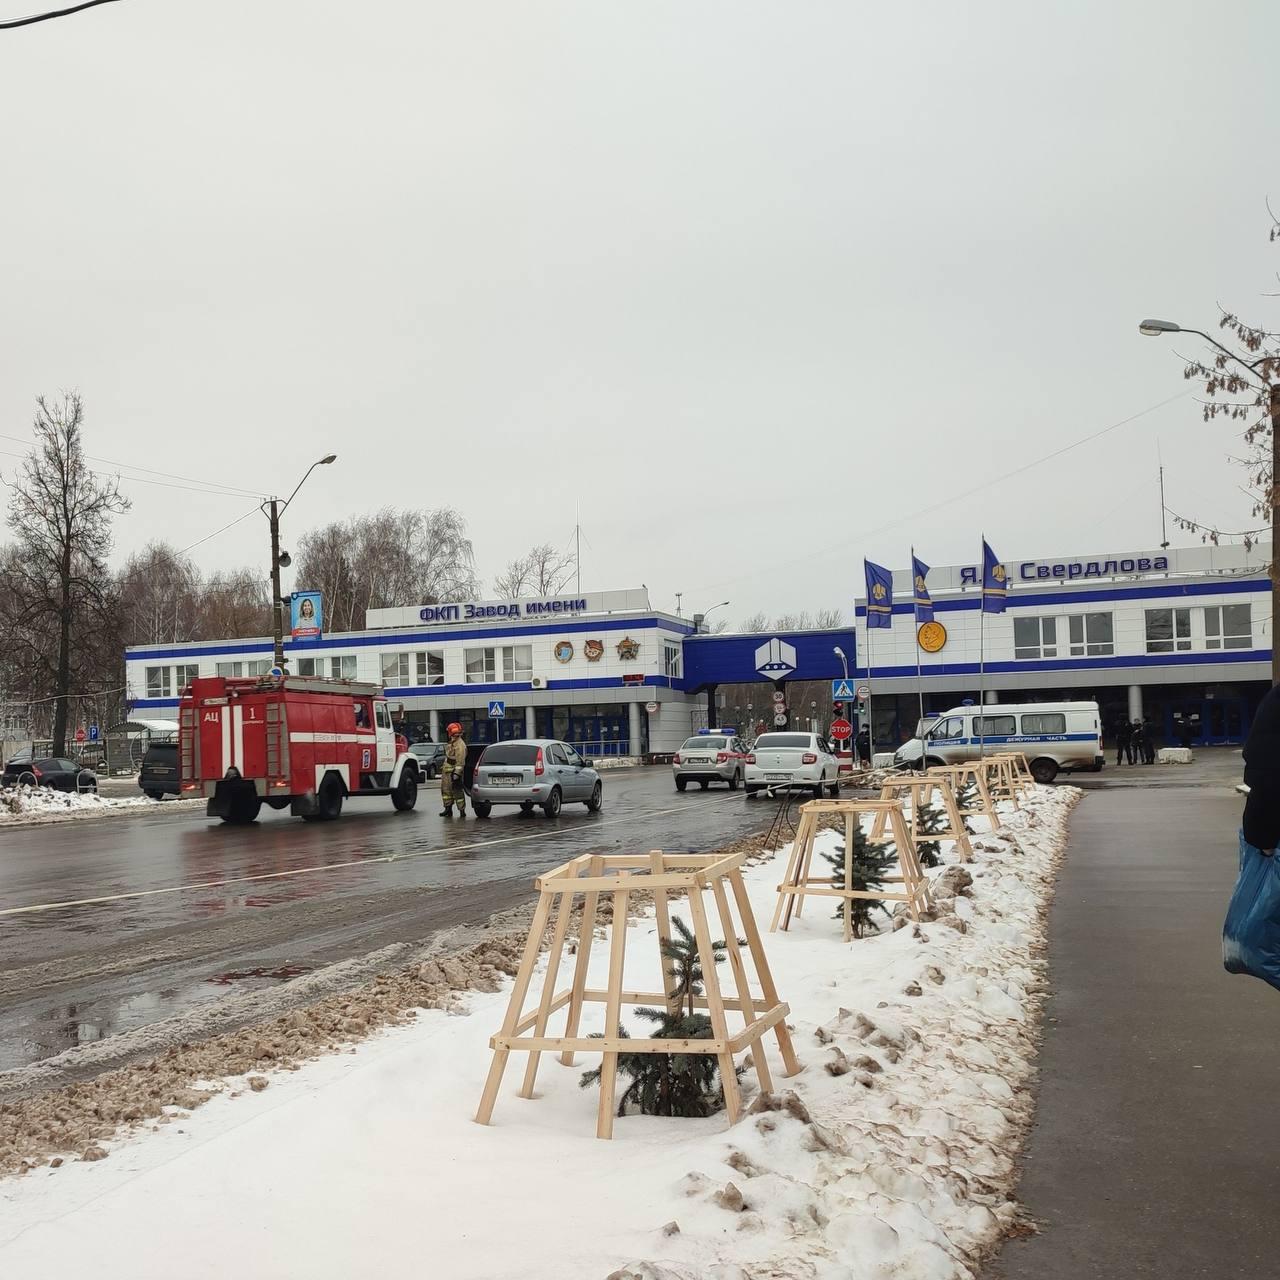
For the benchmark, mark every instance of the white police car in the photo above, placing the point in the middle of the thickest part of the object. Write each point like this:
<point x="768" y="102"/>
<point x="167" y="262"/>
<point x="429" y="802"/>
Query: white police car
<point x="711" y="755"/>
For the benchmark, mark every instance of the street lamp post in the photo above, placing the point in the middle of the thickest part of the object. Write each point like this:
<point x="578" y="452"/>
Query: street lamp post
<point x="700" y="618"/>
<point x="274" y="509"/>
<point x="844" y="662"/>
<point x="1154" y="329"/>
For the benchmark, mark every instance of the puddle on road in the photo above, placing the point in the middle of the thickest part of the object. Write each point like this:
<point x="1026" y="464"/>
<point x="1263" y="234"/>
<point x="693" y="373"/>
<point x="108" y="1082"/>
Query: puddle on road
<point x="28" y="1036"/>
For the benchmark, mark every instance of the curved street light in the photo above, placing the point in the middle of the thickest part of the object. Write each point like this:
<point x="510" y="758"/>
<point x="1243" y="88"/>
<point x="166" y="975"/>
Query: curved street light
<point x="274" y="509"/>
<point x="1155" y="329"/>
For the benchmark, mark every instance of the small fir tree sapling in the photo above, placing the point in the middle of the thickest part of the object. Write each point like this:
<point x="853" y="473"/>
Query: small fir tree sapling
<point x="872" y="862"/>
<point x="930" y="820"/>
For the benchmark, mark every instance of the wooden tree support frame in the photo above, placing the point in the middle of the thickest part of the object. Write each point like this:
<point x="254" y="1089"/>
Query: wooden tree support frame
<point x="617" y="876"/>
<point x="798" y="883"/>
<point x="1021" y="770"/>
<point x="920" y="790"/>
<point x="1003" y="779"/>
<point x="977" y="773"/>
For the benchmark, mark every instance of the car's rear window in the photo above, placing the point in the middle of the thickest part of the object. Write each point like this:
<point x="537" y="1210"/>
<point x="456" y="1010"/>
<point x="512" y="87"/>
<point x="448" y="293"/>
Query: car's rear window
<point x="706" y="743"/>
<point x="783" y="740"/>
<point x="510" y="753"/>
<point x="163" y="751"/>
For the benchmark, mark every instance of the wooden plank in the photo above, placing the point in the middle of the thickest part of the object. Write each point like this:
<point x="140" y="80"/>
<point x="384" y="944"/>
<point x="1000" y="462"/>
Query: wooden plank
<point x="850" y="821"/>
<point x="769" y="1019"/>
<point x="564" y="904"/>
<point x="719" y="1025"/>
<point x="764" y="975"/>
<point x="790" y="875"/>
<point x="685" y="880"/>
<point x="586" y="935"/>
<point x="514" y="1007"/>
<point x="759" y="1061"/>
<point x="670" y="1000"/>
<point x="616" y="1044"/>
<point x="657" y="998"/>
<point x="562" y="998"/>
<point x="612" y="1013"/>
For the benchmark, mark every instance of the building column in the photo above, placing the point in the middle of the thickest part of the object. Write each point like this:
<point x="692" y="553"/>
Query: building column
<point x="713" y="716"/>
<point x="433" y="724"/>
<point x="633" y="728"/>
<point x="1135" y="702"/>
<point x="530" y="723"/>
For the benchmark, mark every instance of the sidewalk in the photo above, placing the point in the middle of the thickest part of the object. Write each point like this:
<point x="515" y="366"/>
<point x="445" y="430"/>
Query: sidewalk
<point x="1158" y="1126"/>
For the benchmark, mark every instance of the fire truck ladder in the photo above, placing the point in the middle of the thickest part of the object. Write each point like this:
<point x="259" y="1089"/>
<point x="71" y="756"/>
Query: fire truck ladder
<point x="277" y="736"/>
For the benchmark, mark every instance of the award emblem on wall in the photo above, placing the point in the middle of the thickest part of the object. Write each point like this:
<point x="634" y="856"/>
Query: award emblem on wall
<point x="593" y="650"/>
<point x="628" y="649"/>
<point x="931" y="636"/>
<point x="563" y="650"/>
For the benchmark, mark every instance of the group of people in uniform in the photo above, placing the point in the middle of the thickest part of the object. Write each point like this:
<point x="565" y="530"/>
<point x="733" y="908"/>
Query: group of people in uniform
<point x="1135" y="742"/>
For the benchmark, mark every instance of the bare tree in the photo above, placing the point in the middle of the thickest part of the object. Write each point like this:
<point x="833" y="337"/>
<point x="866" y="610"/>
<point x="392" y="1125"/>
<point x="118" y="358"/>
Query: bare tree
<point x="828" y="619"/>
<point x="1241" y="382"/>
<point x="159" y="590"/>
<point x="756" y="622"/>
<point x="387" y="558"/>
<point x="543" y="572"/>
<point x="59" y="588"/>
<point x="234" y="604"/>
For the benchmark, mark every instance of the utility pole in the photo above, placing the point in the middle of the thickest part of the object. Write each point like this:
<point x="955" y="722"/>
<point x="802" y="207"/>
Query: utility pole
<point x="277" y="604"/>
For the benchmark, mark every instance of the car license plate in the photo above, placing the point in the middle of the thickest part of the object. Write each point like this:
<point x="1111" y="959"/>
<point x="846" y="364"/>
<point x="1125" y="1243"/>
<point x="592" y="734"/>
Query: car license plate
<point x="505" y="779"/>
<point x="161" y="769"/>
<point x="697" y="760"/>
<point x="777" y="777"/>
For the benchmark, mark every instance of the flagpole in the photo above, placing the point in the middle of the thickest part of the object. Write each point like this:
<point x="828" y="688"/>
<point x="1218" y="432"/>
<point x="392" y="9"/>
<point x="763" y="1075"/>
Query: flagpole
<point x="919" y="677"/>
<point x="871" y="724"/>
<point x="982" y="654"/>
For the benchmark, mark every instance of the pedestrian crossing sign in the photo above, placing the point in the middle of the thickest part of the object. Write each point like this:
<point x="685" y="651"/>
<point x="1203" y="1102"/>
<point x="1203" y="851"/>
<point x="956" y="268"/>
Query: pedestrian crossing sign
<point x="842" y="691"/>
<point x="497" y="710"/>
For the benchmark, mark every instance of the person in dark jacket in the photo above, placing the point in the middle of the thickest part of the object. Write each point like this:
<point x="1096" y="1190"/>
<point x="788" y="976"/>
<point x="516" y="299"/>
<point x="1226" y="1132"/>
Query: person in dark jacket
<point x="864" y="745"/>
<point x="1261" y="823"/>
<point x="1184" y="732"/>
<point x="1124" y="742"/>
<point x="1148" y="741"/>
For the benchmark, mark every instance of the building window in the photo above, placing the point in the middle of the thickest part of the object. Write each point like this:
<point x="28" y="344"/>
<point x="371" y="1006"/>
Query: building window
<point x="995" y="726"/>
<point x="671" y="660"/>
<point x="258" y="667"/>
<point x="395" y="669"/>
<point x="1168" y="630"/>
<point x="1228" y="626"/>
<point x="1035" y="637"/>
<point x="517" y="663"/>
<point x="480" y="664"/>
<point x="183" y="675"/>
<point x="341" y="667"/>
<point x="1091" y="635"/>
<point x="158" y="682"/>
<point x="1043" y="724"/>
<point x="430" y="666"/>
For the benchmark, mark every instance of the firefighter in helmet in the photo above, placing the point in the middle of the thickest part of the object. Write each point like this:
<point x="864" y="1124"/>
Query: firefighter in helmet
<point x="455" y="761"/>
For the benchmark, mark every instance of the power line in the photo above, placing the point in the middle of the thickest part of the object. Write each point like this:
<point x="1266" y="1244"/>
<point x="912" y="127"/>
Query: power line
<point x="232" y="490"/>
<point x="964" y="496"/>
<point x="53" y="13"/>
<point x="163" y="484"/>
<point x="253" y="511"/>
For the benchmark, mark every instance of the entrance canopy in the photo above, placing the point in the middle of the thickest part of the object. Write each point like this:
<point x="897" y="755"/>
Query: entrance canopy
<point x="767" y="655"/>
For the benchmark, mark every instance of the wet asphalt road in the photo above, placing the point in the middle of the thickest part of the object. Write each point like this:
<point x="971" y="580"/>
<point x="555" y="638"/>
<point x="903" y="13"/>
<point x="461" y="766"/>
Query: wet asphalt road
<point x="109" y="925"/>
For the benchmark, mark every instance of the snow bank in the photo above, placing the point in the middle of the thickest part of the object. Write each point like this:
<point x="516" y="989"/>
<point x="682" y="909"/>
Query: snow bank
<point x="20" y="806"/>
<point x="890" y="1154"/>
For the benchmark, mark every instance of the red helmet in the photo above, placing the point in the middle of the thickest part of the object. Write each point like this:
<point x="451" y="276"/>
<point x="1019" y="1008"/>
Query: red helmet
<point x="455" y="727"/>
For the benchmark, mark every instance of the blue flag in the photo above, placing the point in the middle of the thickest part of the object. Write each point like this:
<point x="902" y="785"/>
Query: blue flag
<point x="879" y="595"/>
<point x="994" y="581"/>
<point x="920" y="590"/>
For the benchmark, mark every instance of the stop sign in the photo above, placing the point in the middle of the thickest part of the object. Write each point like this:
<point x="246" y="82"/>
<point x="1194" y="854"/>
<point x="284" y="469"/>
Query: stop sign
<point x="80" y="735"/>
<point x="841" y="729"/>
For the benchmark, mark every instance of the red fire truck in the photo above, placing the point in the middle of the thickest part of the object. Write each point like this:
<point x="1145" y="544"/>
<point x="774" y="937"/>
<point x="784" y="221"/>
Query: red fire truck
<point x="290" y="741"/>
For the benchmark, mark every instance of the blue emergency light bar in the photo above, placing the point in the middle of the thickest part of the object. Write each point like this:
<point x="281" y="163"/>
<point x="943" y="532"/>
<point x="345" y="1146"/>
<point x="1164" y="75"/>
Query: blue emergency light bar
<point x="728" y="729"/>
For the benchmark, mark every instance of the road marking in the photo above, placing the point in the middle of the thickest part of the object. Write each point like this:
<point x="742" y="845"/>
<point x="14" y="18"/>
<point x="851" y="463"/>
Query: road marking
<point x="332" y="866"/>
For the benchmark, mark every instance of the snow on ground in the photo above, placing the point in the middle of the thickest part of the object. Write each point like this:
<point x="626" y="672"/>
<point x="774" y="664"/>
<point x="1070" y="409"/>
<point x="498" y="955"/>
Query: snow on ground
<point x="368" y="1162"/>
<point x="21" y="806"/>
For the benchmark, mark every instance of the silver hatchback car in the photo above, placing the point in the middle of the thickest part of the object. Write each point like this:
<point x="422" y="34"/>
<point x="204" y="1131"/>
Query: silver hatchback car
<point x="711" y="755"/>
<point x="534" y="772"/>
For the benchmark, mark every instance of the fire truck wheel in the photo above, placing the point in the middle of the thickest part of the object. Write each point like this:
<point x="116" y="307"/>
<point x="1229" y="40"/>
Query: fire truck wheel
<point x="405" y="795"/>
<point x="329" y="799"/>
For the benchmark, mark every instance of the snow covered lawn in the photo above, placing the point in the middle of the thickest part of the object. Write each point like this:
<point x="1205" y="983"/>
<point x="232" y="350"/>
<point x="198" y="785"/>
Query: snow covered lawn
<point x="894" y="1157"/>
<point x="21" y="806"/>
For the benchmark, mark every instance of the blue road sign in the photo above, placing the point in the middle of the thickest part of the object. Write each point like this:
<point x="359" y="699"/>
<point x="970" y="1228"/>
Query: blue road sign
<point x="93" y="733"/>
<point x="497" y="710"/>
<point x="842" y="691"/>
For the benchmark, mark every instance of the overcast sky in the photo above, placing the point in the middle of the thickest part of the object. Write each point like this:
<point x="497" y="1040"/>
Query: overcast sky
<point x="751" y="285"/>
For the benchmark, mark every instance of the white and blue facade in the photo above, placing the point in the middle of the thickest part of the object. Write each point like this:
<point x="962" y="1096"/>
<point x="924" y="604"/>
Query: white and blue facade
<point x="1176" y="636"/>
<point x="600" y="669"/>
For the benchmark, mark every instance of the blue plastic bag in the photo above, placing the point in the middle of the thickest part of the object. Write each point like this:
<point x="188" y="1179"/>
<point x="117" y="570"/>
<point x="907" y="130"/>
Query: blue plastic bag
<point x="1251" y="933"/>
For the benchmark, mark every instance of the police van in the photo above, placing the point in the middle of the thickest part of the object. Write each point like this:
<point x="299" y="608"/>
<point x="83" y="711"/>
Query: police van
<point x="1054" y="736"/>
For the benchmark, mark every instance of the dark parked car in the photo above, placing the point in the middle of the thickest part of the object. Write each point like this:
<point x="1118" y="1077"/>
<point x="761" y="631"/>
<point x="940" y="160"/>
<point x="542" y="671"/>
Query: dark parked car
<point x="430" y="757"/>
<point x="159" y="774"/>
<point x="56" y="772"/>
